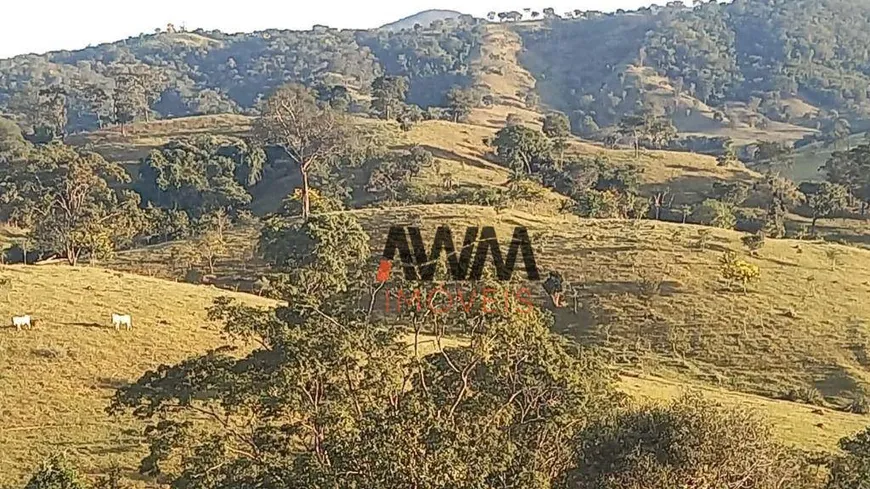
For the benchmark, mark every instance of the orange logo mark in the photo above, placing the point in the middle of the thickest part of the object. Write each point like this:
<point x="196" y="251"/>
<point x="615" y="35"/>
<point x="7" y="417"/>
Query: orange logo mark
<point x="384" y="271"/>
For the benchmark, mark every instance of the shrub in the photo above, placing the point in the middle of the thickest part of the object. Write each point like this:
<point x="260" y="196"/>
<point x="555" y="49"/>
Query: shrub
<point x="737" y="270"/>
<point x="717" y="214"/>
<point x="55" y="473"/>
<point x="859" y="404"/>
<point x="611" y="204"/>
<point x="753" y="242"/>
<point x="805" y="394"/>
<point x="690" y="443"/>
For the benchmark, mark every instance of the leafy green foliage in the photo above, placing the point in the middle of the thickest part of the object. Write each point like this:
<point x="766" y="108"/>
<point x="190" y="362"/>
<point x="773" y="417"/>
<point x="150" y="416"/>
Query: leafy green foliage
<point x="65" y="196"/>
<point x="388" y="96"/>
<point x="745" y="51"/>
<point x="717" y="214"/>
<point x="394" y="173"/>
<point x="315" y="259"/>
<point x="433" y="58"/>
<point x="55" y="473"/>
<point x="198" y="72"/>
<point x="329" y="397"/>
<point x="851" y="470"/>
<point x="311" y="134"/>
<point x="522" y="149"/>
<point x="828" y="199"/>
<point x="662" y="447"/>
<point x="460" y="102"/>
<point x="851" y="169"/>
<point x="201" y="175"/>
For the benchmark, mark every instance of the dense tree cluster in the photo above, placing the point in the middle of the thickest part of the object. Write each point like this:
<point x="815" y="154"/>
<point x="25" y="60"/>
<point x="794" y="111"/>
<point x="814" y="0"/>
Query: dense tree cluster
<point x="171" y="74"/>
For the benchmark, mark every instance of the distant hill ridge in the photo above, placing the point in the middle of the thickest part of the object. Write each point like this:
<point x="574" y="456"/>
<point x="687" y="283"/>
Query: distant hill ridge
<point x="424" y="18"/>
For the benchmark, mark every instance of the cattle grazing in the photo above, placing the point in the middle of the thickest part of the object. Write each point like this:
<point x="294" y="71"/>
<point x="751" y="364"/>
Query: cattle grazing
<point x="119" y="320"/>
<point x="22" y="322"/>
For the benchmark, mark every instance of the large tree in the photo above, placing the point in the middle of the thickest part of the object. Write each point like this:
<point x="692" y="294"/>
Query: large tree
<point x="557" y="127"/>
<point x="522" y="148"/>
<point x="852" y="170"/>
<point x="309" y="133"/>
<point x="66" y="197"/>
<point x="826" y="200"/>
<point x="461" y="101"/>
<point x="331" y="396"/>
<point x="389" y="94"/>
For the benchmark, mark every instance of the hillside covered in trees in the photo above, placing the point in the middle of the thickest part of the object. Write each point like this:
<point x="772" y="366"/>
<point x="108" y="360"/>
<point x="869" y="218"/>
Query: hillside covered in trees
<point x="744" y="62"/>
<point x="172" y="73"/>
<point x="747" y="64"/>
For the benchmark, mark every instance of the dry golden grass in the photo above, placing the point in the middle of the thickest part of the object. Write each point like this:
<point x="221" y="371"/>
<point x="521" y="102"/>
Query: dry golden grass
<point x="57" y="378"/>
<point x="497" y="70"/>
<point x="803" y="324"/>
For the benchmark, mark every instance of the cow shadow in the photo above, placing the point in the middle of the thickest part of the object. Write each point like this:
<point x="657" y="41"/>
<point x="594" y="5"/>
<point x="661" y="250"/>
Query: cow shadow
<point x="89" y="325"/>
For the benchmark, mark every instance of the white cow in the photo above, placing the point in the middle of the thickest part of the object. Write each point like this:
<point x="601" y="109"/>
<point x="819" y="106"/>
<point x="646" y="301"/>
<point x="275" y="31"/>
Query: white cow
<point x="22" y="322"/>
<point x="119" y="320"/>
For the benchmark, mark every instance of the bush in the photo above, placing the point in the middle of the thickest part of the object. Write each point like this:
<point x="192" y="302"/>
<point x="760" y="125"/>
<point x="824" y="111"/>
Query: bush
<point x="805" y="394"/>
<point x="55" y="473"/>
<point x="859" y="404"/>
<point x="717" y="214"/>
<point x="851" y="470"/>
<point x="691" y="443"/>
<point x="736" y="270"/>
<point x="753" y="242"/>
<point x="610" y="204"/>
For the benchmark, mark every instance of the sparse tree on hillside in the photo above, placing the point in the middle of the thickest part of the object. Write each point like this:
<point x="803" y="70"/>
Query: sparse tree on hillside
<point x="775" y="154"/>
<point x="736" y="270"/>
<point x="309" y="134"/>
<point x="851" y="169"/>
<point x="53" y="110"/>
<point x="633" y="126"/>
<point x="828" y="199"/>
<point x="389" y="94"/>
<point x="753" y="242"/>
<point x="411" y="116"/>
<point x="461" y="101"/>
<point x="717" y="214"/>
<point x="72" y="205"/>
<point x="782" y="195"/>
<point x="129" y="98"/>
<point x="521" y="148"/>
<point x="557" y="127"/>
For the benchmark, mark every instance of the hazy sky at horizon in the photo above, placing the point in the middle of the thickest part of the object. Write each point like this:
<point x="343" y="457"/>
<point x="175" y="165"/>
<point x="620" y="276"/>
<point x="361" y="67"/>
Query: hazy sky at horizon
<point x="51" y="25"/>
